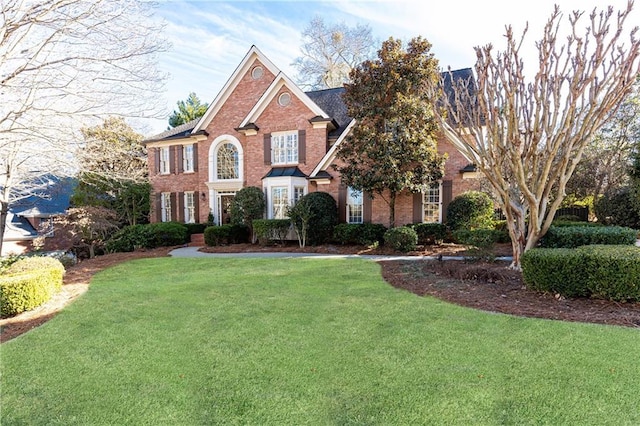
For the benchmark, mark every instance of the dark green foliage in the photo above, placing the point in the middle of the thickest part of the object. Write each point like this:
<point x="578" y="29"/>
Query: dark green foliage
<point x="619" y="208"/>
<point x="430" y="233"/>
<point x="194" y="228"/>
<point x="359" y="233"/>
<point x="321" y="211"/>
<point x="226" y="234"/>
<point x="576" y="236"/>
<point x="162" y="234"/>
<point x="402" y="238"/>
<point x="28" y="283"/>
<point x="568" y="218"/>
<point x="187" y="111"/>
<point x="269" y="230"/>
<point x="480" y="238"/>
<point x="165" y="234"/>
<point x="606" y="272"/>
<point x="564" y="223"/>
<point x="248" y="204"/>
<point x="470" y="210"/>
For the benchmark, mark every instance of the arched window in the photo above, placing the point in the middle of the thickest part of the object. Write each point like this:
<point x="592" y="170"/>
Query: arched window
<point x="227" y="162"/>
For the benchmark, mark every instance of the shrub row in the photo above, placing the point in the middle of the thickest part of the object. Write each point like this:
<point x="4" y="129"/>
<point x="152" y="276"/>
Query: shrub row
<point x="606" y="272"/>
<point x="226" y="234"/>
<point x="268" y="230"/>
<point x="359" y="233"/>
<point x="28" y="283"/>
<point x="576" y="236"/>
<point x="402" y="238"/>
<point x="430" y="233"/>
<point x="162" y="234"/>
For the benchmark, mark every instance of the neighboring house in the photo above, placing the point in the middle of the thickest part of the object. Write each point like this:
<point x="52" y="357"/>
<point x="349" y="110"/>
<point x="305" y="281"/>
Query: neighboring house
<point x="30" y="220"/>
<point x="263" y="130"/>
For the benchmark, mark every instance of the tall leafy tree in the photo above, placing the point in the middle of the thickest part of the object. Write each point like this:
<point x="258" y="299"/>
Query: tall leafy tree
<point x="330" y="52"/>
<point x="528" y="136"/>
<point x="187" y="111"/>
<point x="113" y="171"/>
<point x="393" y="146"/>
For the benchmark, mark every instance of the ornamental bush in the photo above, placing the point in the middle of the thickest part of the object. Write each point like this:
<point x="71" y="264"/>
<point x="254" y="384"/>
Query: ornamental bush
<point x="129" y="238"/>
<point x="321" y="211"/>
<point x="402" y="238"/>
<point x="470" y="210"/>
<point x="359" y="233"/>
<point x="28" y="283"/>
<point x="430" y="233"/>
<point x="606" y="272"/>
<point x="269" y="230"/>
<point x="165" y="234"/>
<point x="226" y="234"/>
<point x="248" y="205"/>
<point x="576" y="236"/>
<point x="619" y="208"/>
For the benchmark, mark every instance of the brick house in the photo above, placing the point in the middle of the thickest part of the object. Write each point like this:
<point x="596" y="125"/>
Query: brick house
<point x="263" y="130"/>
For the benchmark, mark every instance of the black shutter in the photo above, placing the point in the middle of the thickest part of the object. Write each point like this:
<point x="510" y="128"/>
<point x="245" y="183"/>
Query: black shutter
<point x="417" y="208"/>
<point x="156" y="155"/>
<point x="195" y="159"/>
<point x="172" y="159"/>
<point x="447" y="196"/>
<point x="267" y="149"/>
<point x="174" y="207"/>
<point x="196" y="205"/>
<point x="158" y="207"/>
<point x="342" y="203"/>
<point x="180" y="206"/>
<point x="302" y="146"/>
<point x="180" y="149"/>
<point x="367" y="207"/>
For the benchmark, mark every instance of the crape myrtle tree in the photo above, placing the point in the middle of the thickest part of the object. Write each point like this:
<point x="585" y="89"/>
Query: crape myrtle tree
<point x="63" y="65"/>
<point x="187" y="111"/>
<point x="393" y="146"/>
<point x="528" y="135"/>
<point x="330" y="52"/>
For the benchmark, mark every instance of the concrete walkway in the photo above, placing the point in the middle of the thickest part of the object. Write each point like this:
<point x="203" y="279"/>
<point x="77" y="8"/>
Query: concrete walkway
<point x="193" y="252"/>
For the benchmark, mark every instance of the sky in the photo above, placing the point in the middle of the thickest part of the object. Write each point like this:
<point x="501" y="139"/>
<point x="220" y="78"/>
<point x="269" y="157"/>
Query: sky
<point x="209" y="38"/>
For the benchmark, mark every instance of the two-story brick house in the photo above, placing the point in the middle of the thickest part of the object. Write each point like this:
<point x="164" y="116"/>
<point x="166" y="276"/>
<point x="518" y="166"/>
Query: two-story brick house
<point x="263" y="130"/>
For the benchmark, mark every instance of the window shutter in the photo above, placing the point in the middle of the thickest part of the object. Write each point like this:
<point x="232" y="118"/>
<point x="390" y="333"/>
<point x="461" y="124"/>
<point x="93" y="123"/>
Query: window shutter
<point x="195" y="159"/>
<point x="172" y="159"/>
<point x="267" y="149"/>
<point x="180" y="150"/>
<point x="447" y="196"/>
<point x="196" y="203"/>
<point x="417" y="208"/>
<point x="180" y="206"/>
<point x="156" y="155"/>
<point x="342" y="203"/>
<point x="367" y="202"/>
<point x="302" y="146"/>
<point x="158" y="206"/>
<point x="174" y="209"/>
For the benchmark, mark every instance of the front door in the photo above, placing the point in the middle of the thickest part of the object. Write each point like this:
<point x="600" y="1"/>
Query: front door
<point x="225" y="208"/>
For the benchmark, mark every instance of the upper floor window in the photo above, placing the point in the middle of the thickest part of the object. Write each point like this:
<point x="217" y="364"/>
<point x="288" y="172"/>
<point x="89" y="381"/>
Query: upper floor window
<point x="284" y="147"/>
<point x="189" y="207"/>
<point x="355" y="203"/>
<point x="227" y="162"/>
<point x="187" y="158"/>
<point x="165" y="161"/>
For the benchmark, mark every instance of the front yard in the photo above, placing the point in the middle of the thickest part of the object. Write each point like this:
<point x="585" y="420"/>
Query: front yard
<point x="306" y="341"/>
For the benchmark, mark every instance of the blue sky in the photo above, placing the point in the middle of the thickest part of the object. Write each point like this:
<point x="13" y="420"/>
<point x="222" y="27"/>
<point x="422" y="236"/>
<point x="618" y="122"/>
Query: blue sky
<point x="209" y="38"/>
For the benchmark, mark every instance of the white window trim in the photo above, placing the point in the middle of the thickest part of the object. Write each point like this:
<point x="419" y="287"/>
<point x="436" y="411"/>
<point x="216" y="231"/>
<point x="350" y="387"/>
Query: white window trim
<point x="275" y="135"/>
<point x="439" y="204"/>
<point x="165" y="201"/>
<point x="213" y="159"/>
<point x="289" y="182"/>
<point x="348" y="205"/>
<point x="165" y="162"/>
<point x="188" y="160"/>
<point x="189" y="208"/>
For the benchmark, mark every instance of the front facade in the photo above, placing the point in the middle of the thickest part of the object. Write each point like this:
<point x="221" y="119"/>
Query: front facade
<point x="262" y="130"/>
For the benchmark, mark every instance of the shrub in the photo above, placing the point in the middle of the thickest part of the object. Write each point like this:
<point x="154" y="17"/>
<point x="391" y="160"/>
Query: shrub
<point x="609" y="272"/>
<point x="248" y="204"/>
<point x="129" y="238"/>
<point x="430" y="233"/>
<point x="470" y="210"/>
<point x="195" y="228"/>
<point x="619" y="208"/>
<point x="319" y="209"/>
<point x="226" y="234"/>
<point x="28" y="283"/>
<point x="568" y="218"/>
<point x="565" y="223"/>
<point x="359" y="233"/>
<point x="268" y="230"/>
<point x="576" y="236"/>
<point x="403" y="238"/>
<point x="481" y="241"/>
<point x="164" y="234"/>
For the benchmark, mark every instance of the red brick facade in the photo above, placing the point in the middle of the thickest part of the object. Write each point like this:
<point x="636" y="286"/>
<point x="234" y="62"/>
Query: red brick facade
<point x="256" y="102"/>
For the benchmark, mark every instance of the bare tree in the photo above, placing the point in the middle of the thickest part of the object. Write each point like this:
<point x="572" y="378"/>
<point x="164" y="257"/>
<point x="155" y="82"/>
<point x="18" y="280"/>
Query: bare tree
<point x="64" y="64"/>
<point x="527" y="137"/>
<point x="330" y="52"/>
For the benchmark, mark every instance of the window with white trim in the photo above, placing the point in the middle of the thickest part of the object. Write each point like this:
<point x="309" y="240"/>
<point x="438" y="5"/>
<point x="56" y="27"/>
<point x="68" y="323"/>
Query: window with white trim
<point x="165" y="206"/>
<point x="432" y="203"/>
<point x="279" y="202"/>
<point x="284" y="147"/>
<point x="227" y="162"/>
<point x="298" y="192"/>
<point x="189" y="208"/>
<point x="355" y="206"/>
<point x="187" y="158"/>
<point x="165" y="161"/>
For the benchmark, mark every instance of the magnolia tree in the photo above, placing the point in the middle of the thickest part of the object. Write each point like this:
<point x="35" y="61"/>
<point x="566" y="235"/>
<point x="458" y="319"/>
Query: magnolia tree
<point x="527" y="135"/>
<point x="63" y="63"/>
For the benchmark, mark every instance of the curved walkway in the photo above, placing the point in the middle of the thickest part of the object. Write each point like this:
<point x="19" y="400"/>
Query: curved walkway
<point x="193" y="252"/>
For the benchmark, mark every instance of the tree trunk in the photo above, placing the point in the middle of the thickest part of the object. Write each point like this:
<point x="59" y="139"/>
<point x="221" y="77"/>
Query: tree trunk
<point x="4" y="212"/>
<point x="392" y="209"/>
<point x="516" y="226"/>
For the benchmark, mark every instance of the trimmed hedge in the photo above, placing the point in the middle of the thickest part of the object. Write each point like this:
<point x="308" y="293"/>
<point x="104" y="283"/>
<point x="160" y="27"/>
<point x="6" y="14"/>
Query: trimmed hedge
<point x="402" y="238"/>
<point x="481" y="238"/>
<point x="576" y="236"/>
<point x="430" y="233"/>
<point x="226" y="234"/>
<point x="195" y="228"/>
<point x="605" y="272"/>
<point x="28" y="283"/>
<point x="161" y="234"/>
<point x="470" y="210"/>
<point x="359" y="233"/>
<point x="268" y="230"/>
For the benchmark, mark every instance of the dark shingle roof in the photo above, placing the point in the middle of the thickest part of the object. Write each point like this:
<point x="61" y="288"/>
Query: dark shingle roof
<point x="330" y="100"/>
<point x="181" y="131"/>
<point x="285" y="171"/>
<point x="52" y="199"/>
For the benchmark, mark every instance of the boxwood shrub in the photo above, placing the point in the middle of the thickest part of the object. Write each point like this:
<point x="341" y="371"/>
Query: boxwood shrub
<point x="129" y="238"/>
<point x="576" y="236"/>
<point x="601" y="271"/>
<point x="195" y="228"/>
<point x="402" y="238"/>
<point x="165" y="234"/>
<point x="359" y="233"/>
<point x="28" y="283"/>
<point x="470" y="210"/>
<point x="226" y="234"/>
<point x="430" y="233"/>
<point x="269" y="230"/>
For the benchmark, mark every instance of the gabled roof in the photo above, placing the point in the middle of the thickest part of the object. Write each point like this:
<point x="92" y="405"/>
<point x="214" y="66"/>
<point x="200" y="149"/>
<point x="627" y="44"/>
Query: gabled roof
<point x="248" y="60"/>
<point x="52" y="199"/>
<point x="278" y="83"/>
<point x="178" y="132"/>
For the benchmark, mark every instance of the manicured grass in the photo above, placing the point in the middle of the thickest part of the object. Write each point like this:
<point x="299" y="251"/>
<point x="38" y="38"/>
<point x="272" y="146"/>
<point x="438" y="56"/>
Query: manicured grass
<point x="306" y="341"/>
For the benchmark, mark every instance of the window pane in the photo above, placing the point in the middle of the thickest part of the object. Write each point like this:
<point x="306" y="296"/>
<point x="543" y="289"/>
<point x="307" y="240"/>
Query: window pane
<point x="432" y="204"/>
<point x="187" y="158"/>
<point x="285" y="148"/>
<point x="279" y="201"/>
<point x="354" y="206"/>
<point x="189" y="207"/>
<point x="227" y="162"/>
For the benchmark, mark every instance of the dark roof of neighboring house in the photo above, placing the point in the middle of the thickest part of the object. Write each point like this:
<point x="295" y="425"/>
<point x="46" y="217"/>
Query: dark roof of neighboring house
<point x="285" y="171"/>
<point x="51" y="198"/>
<point x="18" y="228"/>
<point x="181" y="131"/>
<point x="462" y="77"/>
<point x="330" y="100"/>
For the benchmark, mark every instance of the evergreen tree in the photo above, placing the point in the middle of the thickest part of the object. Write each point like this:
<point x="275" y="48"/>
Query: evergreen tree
<point x="187" y="111"/>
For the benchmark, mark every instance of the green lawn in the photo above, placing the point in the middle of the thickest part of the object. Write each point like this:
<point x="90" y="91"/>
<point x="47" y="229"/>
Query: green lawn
<point x="306" y="341"/>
